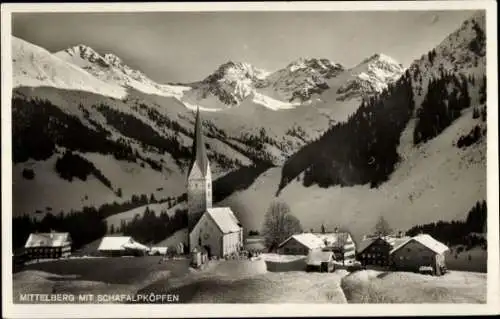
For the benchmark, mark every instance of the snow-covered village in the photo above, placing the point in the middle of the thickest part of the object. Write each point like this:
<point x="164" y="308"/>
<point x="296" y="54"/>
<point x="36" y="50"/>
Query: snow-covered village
<point x="146" y="160"/>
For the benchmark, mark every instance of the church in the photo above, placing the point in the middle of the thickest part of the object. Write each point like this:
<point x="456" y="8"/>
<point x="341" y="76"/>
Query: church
<point x="213" y="229"/>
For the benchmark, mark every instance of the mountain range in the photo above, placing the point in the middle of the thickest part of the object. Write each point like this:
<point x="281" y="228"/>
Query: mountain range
<point x="131" y="135"/>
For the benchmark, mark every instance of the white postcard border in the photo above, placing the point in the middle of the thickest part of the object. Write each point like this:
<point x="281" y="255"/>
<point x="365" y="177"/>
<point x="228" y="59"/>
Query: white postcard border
<point x="11" y="310"/>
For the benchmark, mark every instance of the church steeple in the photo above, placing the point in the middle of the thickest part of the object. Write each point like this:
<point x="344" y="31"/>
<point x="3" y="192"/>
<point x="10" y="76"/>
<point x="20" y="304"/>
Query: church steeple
<point x="199" y="152"/>
<point x="199" y="181"/>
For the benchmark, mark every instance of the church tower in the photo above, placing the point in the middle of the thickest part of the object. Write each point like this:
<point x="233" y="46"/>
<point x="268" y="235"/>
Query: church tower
<point x="199" y="181"/>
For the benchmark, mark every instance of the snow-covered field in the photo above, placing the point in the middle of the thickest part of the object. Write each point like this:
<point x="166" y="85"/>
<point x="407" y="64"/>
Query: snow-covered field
<point x="369" y="286"/>
<point x="245" y="281"/>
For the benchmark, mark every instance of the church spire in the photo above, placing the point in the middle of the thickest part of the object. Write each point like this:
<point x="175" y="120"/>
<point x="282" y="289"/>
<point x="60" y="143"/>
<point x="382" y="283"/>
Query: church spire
<point x="199" y="152"/>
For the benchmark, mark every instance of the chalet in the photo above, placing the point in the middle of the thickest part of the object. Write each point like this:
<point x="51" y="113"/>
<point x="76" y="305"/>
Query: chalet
<point x="112" y="246"/>
<point x="48" y="245"/>
<point x="376" y="251"/>
<point x="419" y="251"/>
<point x="300" y="244"/>
<point x="218" y="232"/>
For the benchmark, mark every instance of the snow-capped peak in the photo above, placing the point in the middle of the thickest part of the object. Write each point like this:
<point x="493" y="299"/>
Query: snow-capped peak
<point x="34" y="66"/>
<point x="84" y="52"/>
<point x="313" y="64"/>
<point x="382" y="58"/>
<point x="370" y="76"/>
<point x="113" y="59"/>
<point x="237" y="70"/>
<point x="111" y="69"/>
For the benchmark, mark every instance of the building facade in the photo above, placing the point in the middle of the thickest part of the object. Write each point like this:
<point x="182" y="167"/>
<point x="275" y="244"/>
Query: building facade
<point x="376" y="252"/>
<point x="218" y="233"/>
<point x="419" y="251"/>
<point x="48" y="245"/>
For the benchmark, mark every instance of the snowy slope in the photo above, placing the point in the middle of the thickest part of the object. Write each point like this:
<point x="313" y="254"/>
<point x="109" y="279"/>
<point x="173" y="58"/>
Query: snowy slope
<point x="34" y="66"/>
<point x="111" y="69"/>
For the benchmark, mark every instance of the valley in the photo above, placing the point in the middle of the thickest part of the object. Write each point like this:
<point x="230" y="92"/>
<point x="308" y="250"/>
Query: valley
<point x="340" y="145"/>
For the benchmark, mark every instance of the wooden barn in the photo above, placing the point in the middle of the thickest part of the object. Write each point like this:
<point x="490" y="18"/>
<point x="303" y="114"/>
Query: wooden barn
<point x="376" y="251"/>
<point x="48" y="245"/>
<point x="300" y="244"/>
<point x="113" y="246"/>
<point x="420" y="251"/>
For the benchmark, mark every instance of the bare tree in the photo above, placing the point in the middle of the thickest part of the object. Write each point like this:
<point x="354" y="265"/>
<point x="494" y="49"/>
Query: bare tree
<point x="279" y="224"/>
<point x="382" y="227"/>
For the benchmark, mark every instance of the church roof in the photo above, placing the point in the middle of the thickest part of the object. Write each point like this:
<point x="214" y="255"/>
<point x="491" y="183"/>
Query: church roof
<point x="199" y="151"/>
<point x="225" y="219"/>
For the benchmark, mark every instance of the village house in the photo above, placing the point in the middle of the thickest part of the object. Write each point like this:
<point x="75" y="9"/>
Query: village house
<point x="340" y="243"/>
<point x="419" y="251"/>
<point x="48" y="245"/>
<point x="214" y="230"/>
<point x="376" y="250"/>
<point x="114" y="246"/>
<point x="300" y="244"/>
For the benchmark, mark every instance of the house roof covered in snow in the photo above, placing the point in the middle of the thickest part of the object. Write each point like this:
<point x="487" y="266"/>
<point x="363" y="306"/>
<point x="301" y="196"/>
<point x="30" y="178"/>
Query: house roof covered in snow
<point x="426" y="240"/>
<point x="309" y="240"/>
<point x="333" y="238"/>
<point x="120" y="243"/>
<point x="365" y="243"/>
<point x="391" y="240"/>
<point x="225" y="219"/>
<point x="48" y="240"/>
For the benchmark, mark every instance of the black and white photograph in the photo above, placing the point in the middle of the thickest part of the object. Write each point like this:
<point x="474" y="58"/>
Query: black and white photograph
<point x="245" y="154"/>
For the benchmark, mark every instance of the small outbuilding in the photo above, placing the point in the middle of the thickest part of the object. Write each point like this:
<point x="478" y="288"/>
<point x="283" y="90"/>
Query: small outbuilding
<point x="322" y="260"/>
<point x="420" y="251"/>
<point x="48" y="245"/>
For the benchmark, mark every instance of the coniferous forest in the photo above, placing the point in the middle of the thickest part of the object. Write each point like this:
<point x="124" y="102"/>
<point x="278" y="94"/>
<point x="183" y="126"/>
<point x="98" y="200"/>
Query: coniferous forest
<point x="458" y="232"/>
<point x="361" y="150"/>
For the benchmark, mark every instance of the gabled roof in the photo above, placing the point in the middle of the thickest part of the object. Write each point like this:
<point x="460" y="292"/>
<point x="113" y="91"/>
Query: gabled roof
<point x="120" y="243"/>
<point x="426" y="240"/>
<point x="365" y="243"/>
<point x="225" y="219"/>
<point x="199" y="151"/>
<point x="391" y="240"/>
<point x="309" y="240"/>
<point x="47" y="240"/>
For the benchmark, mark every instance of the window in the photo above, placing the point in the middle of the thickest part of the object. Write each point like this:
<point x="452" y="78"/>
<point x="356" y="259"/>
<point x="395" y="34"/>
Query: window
<point x="287" y="250"/>
<point x="408" y="249"/>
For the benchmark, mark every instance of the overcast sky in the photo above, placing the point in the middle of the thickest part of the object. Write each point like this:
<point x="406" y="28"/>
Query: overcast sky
<point x="188" y="46"/>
